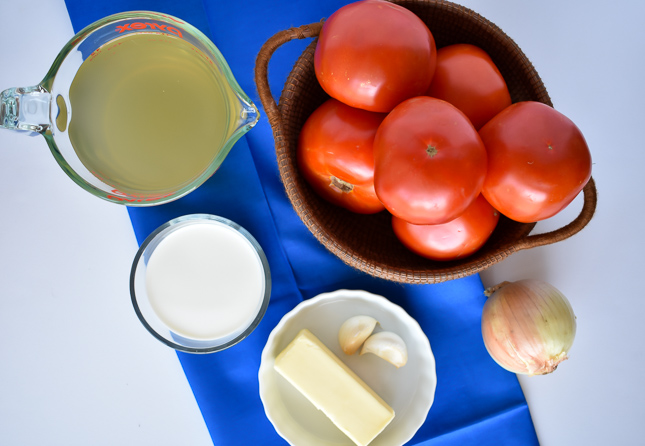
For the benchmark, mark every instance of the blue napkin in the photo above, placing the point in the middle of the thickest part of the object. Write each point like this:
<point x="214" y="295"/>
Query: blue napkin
<point x="476" y="401"/>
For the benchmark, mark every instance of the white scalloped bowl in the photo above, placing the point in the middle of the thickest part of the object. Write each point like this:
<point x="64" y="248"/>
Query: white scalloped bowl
<point x="409" y="390"/>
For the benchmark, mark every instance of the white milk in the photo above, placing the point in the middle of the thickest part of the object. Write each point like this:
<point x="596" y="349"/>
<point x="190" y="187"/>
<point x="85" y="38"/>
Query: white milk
<point x="205" y="281"/>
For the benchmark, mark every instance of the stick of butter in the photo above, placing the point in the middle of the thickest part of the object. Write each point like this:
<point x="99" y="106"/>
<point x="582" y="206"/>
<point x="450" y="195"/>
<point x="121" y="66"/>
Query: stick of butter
<point x="333" y="388"/>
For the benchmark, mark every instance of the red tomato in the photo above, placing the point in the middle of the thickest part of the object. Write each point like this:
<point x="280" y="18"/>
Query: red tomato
<point x="538" y="161"/>
<point x="374" y="54"/>
<point x="456" y="239"/>
<point x="467" y="78"/>
<point x="429" y="161"/>
<point x="335" y="155"/>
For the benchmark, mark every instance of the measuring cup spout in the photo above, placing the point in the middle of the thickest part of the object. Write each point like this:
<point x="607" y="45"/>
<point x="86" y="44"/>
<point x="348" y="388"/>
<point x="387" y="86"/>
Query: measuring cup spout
<point x="25" y="109"/>
<point x="249" y="116"/>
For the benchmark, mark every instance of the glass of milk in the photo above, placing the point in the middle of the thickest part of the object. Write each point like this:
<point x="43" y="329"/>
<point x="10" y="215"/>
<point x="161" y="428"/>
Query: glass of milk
<point x="200" y="283"/>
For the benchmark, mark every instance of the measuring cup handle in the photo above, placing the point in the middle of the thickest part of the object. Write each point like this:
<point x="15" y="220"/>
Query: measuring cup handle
<point x="262" y="64"/>
<point x="25" y="108"/>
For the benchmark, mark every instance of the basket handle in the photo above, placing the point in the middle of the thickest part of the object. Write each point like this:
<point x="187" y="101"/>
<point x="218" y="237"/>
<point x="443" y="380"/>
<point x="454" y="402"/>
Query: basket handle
<point x="262" y="64"/>
<point x="547" y="238"/>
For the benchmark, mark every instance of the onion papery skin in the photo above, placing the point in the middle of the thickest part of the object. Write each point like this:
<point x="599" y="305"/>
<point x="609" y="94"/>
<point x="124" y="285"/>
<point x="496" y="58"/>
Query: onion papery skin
<point x="528" y="327"/>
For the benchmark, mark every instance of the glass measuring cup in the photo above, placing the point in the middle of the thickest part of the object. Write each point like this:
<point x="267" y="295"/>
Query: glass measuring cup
<point x="138" y="108"/>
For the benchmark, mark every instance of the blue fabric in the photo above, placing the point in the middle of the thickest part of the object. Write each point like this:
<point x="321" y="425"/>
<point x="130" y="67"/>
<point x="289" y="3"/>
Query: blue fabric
<point x="476" y="401"/>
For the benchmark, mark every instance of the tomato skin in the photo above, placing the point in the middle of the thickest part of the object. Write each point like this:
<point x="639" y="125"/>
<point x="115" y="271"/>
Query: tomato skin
<point x="429" y="161"/>
<point x="337" y="141"/>
<point x="457" y="239"/>
<point x="538" y="161"/>
<point x="468" y="78"/>
<point x="373" y="54"/>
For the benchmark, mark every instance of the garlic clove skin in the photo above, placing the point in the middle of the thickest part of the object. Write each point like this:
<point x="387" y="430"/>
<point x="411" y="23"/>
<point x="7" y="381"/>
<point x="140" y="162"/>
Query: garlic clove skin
<point x="387" y="345"/>
<point x="354" y="332"/>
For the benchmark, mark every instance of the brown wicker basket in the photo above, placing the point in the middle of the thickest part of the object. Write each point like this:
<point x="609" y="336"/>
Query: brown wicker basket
<point x="367" y="242"/>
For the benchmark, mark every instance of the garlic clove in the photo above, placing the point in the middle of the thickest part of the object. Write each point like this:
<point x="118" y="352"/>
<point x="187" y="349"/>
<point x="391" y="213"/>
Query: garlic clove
<point x="387" y="345"/>
<point x="354" y="331"/>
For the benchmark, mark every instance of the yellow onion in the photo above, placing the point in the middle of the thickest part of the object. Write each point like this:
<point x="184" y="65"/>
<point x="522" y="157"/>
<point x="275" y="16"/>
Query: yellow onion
<point x="528" y="326"/>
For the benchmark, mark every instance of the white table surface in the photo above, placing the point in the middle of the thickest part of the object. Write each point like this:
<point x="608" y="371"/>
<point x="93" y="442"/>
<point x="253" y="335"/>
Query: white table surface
<point x="77" y="368"/>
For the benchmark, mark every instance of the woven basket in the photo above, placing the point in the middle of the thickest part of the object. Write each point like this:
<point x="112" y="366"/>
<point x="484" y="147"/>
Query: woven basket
<point x="367" y="242"/>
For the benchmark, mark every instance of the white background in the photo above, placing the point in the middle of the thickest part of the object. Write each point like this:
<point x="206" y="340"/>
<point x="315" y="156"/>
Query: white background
<point x="78" y="369"/>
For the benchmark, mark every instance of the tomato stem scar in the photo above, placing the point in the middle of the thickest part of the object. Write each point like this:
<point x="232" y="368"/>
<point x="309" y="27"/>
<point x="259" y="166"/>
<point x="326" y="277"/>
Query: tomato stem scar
<point x="340" y="185"/>
<point x="431" y="151"/>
